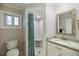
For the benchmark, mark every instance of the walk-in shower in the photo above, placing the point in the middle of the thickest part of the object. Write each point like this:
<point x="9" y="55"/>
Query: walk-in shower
<point x="38" y="32"/>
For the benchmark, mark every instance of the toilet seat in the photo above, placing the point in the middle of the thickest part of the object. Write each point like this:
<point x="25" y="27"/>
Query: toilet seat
<point x="13" y="52"/>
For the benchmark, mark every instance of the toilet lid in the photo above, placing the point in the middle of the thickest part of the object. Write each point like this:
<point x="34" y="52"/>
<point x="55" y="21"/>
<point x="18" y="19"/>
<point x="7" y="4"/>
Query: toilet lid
<point x="13" y="52"/>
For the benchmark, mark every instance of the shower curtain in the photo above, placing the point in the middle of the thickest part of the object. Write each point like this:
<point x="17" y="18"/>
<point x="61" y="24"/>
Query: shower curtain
<point x="30" y="35"/>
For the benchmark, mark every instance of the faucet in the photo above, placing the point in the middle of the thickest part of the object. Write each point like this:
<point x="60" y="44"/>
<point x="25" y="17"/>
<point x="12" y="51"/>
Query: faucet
<point x="64" y="38"/>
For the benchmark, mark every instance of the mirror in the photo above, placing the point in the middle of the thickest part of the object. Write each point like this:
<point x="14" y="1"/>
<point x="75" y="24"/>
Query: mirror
<point x="66" y="23"/>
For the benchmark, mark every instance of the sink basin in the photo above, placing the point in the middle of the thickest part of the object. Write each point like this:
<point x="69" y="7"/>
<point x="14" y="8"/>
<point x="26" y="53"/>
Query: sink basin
<point x="63" y="42"/>
<point x="55" y="39"/>
<point x="69" y="43"/>
<point x="59" y="40"/>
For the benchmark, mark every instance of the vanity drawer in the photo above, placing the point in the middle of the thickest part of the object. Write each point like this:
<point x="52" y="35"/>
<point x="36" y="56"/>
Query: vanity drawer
<point x="68" y="52"/>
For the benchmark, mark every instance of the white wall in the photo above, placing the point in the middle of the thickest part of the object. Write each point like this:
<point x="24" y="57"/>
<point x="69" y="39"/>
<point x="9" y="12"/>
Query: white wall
<point x="50" y="23"/>
<point x="50" y="20"/>
<point x="25" y="29"/>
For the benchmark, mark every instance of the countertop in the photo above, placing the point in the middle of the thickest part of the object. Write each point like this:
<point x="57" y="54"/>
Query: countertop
<point x="66" y="43"/>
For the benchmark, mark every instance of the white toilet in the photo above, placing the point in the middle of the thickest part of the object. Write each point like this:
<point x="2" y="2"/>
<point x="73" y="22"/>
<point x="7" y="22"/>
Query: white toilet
<point x="12" y="48"/>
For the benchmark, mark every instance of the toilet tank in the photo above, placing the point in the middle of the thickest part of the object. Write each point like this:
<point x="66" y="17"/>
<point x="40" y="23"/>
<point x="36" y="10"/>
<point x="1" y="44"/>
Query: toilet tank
<point x="11" y="44"/>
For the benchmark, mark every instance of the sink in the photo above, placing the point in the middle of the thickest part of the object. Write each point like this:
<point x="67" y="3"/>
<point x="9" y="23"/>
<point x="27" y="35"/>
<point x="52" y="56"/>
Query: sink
<point x="61" y="41"/>
<point x="55" y="39"/>
<point x="69" y="43"/>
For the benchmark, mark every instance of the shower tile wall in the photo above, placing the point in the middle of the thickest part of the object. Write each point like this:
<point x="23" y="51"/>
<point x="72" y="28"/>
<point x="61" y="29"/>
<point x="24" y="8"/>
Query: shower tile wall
<point x="38" y="29"/>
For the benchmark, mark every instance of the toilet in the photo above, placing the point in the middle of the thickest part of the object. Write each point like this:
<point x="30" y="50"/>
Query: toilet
<point x="12" y="48"/>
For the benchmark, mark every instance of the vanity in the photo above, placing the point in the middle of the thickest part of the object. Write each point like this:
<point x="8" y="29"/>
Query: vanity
<point x="61" y="47"/>
<point x="65" y="26"/>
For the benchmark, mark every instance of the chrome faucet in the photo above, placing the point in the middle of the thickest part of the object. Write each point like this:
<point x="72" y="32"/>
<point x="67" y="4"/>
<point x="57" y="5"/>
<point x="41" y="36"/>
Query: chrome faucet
<point x="64" y="38"/>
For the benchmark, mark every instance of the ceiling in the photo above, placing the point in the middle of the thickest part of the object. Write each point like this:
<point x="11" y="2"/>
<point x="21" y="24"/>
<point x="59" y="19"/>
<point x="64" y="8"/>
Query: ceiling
<point x="22" y="6"/>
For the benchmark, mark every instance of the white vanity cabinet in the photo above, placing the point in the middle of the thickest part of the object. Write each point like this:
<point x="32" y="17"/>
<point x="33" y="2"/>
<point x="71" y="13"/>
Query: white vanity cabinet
<point x="68" y="52"/>
<point x="51" y="50"/>
<point x="57" y="50"/>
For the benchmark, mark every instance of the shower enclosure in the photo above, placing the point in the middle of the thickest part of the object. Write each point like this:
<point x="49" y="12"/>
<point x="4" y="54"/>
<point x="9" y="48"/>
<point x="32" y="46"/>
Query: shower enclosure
<point x="35" y="32"/>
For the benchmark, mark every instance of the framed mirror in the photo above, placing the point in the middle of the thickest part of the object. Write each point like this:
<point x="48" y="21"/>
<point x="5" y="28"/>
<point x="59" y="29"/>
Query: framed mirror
<point x="65" y="23"/>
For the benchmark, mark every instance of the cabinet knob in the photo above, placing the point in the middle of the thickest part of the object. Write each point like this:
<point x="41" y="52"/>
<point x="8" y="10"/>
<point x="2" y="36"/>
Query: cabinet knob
<point x="59" y="54"/>
<point x="58" y="48"/>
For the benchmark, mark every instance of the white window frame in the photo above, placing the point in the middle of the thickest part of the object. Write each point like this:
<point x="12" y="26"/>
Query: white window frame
<point x="5" y="20"/>
<point x="18" y="21"/>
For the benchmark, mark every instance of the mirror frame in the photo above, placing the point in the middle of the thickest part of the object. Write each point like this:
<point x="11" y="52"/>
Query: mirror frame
<point x="73" y="12"/>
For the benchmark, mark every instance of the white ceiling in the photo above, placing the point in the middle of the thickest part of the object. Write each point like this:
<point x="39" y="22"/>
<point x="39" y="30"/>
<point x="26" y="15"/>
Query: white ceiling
<point x="22" y="6"/>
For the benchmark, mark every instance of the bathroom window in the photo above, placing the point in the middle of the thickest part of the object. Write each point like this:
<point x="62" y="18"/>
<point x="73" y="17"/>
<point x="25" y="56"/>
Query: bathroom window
<point x="16" y="20"/>
<point x="8" y="20"/>
<point x="11" y="20"/>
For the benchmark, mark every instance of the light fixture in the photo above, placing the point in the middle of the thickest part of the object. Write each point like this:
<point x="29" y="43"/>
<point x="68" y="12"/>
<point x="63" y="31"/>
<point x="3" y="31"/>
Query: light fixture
<point x="38" y="17"/>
